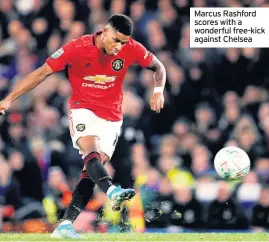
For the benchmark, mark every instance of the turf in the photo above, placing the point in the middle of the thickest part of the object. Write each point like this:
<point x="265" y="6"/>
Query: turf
<point x="145" y="237"/>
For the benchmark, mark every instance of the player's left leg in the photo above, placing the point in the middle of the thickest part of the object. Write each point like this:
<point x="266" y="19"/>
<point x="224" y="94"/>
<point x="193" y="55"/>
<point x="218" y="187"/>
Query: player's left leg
<point x="83" y="134"/>
<point x="85" y="187"/>
<point x="80" y="198"/>
<point x="82" y="194"/>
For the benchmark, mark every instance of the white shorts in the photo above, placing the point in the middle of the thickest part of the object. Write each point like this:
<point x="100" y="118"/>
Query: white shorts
<point x="83" y="122"/>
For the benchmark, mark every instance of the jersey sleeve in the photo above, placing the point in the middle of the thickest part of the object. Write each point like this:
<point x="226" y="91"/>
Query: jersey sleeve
<point x="143" y="56"/>
<point x="61" y="58"/>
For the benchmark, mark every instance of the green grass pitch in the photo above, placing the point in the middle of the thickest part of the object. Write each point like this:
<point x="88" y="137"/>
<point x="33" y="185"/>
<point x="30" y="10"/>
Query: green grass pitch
<point x="144" y="237"/>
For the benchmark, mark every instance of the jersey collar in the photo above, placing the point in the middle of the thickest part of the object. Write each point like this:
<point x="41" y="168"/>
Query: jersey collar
<point x="94" y="37"/>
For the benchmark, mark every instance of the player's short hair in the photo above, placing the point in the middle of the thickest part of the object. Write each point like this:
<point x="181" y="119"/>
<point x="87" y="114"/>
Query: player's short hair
<point x="121" y="23"/>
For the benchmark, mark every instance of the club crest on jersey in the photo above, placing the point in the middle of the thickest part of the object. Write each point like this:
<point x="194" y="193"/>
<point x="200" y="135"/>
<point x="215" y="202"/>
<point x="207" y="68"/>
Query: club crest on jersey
<point x="100" y="79"/>
<point x="80" y="127"/>
<point x="117" y="64"/>
<point x="58" y="53"/>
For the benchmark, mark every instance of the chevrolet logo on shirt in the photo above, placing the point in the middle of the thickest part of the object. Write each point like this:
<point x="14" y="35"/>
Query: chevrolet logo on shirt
<point x="100" y="79"/>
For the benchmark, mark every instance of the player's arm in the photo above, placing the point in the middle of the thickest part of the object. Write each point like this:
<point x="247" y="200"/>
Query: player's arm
<point x="56" y="62"/>
<point x="146" y="59"/>
<point x="159" y="76"/>
<point x="25" y="85"/>
<point x="159" y="73"/>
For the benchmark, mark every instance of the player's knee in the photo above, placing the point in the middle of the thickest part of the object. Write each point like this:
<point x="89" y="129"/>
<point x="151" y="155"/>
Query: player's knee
<point x="84" y="174"/>
<point x="88" y="145"/>
<point x="105" y="158"/>
<point x="87" y="152"/>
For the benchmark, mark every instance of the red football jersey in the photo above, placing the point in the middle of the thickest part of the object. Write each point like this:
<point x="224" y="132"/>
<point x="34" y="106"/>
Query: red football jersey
<point x="96" y="78"/>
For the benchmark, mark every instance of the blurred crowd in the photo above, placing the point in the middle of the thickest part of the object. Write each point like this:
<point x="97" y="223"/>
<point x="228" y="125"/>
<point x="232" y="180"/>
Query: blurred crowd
<point x="214" y="98"/>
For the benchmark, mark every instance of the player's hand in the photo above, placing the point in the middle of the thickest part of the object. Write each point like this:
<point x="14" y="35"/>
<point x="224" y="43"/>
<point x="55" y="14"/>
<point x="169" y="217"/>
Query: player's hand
<point x="4" y="105"/>
<point x="157" y="102"/>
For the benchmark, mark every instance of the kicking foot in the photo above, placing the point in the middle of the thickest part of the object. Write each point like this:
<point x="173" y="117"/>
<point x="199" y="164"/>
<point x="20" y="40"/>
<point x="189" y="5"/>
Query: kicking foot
<point x="65" y="230"/>
<point x="118" y="195"/>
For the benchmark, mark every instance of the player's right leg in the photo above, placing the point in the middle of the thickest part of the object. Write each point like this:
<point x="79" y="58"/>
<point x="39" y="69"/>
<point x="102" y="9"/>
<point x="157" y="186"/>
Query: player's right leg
<point x="89" y="147"/>
<point x="86" y="129"/>
<point x="96" y="173"/>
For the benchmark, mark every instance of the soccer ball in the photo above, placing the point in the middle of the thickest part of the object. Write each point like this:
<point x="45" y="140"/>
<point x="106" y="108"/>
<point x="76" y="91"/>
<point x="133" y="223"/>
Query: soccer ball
<point x="232" y="163"/>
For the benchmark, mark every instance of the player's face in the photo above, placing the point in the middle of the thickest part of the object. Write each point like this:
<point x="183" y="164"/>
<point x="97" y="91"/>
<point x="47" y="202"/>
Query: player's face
<point x="113" y="41"/>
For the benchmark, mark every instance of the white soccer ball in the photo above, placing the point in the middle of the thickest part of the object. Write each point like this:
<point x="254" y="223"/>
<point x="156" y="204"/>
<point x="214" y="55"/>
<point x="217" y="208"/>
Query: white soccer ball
<point x="232" y="163"/>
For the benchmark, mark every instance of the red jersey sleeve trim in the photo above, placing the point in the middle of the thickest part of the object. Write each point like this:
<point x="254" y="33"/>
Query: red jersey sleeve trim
<point x="143" y="56"/>
<point x="149" y="59"/>
<point x="51" y="64"/>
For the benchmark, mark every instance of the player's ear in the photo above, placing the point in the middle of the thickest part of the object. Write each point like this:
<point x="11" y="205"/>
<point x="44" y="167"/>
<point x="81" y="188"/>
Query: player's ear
<point x="105" y="30"/>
